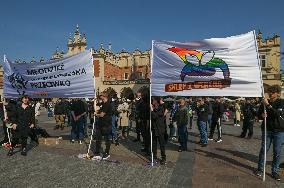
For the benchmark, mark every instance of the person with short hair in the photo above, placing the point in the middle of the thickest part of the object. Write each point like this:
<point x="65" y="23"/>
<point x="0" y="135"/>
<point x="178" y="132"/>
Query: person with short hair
<point x="78" y="112"/>
<point x="23" y="121"/>
<point x="182" y="121"/>
<point x="275" y="129"/>
<point x="158" y="129"/>
<point x="202" y="118"/>
<point x="103" y="128"/>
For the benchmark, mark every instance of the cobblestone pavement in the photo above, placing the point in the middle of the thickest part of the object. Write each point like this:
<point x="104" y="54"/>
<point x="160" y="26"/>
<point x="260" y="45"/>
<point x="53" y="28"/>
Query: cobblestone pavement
<point x="226" y="164"/>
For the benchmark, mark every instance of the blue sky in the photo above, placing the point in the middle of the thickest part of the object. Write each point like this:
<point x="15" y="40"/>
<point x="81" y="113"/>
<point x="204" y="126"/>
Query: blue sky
<point x="34" y="28"/>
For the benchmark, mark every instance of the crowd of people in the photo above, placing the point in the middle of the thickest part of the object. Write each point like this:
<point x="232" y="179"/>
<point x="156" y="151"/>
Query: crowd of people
<point x="114" y="119"/>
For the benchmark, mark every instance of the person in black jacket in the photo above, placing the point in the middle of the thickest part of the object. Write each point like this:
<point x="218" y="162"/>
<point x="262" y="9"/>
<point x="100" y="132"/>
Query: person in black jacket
<point x="218" y="110"/>
<point x="59" y="114"/>
<point x="158" y="129"/>
<point x="202" y="118"/>
<point x="249" y="113"/>
<point x="275" y="129"/>
<point x="22" y="122"/>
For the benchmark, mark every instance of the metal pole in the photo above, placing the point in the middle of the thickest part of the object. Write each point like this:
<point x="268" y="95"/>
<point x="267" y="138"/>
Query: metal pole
<point x="264" y="109"/>
<point x="93" y="127"/>
<point x="151" y="133"/>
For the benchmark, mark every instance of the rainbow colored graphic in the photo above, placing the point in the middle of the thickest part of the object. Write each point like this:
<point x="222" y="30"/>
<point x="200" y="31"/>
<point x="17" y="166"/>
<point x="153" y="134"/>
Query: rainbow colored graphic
<point x="208" y="69"/>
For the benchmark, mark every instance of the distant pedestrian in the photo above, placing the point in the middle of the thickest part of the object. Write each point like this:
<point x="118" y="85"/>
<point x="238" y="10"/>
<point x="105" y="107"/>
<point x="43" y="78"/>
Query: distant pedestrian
<point x="218" y="110"/>
<point x="182" y="121"/>
<point x="238" y="111"/>
<point x="249" y="114"/>
<point x="158" y="129"/>
<point x="78" y="112"/>
<point x="202" y="118"/>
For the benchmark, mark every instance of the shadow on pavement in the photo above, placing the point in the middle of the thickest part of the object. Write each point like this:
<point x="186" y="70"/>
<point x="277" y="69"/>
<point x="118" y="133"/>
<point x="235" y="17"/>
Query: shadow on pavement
<point x="231" y="161"/>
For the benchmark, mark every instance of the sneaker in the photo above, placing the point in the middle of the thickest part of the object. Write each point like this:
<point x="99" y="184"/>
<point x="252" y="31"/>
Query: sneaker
<point x="276" y="176"/>
<point x="73" y="141"/>
<point x="80" y="142"/>
<point x="258" y="173"/>
<point x="11" y="152"/>
<point x="24" y="152"/>
<point x="163" y="162"/>
<point x="238" y="125"/>
<point x="219" y="140"/>
<point x="210" y="138"/>
<point x="106" y="156"/>
<point x="97" y="157"/>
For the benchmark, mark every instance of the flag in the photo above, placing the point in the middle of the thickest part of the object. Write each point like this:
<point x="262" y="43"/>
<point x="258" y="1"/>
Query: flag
<point x="212" y="67"/>
<point x="71" y="77"/>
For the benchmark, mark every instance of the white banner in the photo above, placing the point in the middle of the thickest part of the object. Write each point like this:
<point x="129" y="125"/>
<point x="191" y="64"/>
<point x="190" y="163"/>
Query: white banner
<point x="71" y="77"/>
<point x="212" y="67"/>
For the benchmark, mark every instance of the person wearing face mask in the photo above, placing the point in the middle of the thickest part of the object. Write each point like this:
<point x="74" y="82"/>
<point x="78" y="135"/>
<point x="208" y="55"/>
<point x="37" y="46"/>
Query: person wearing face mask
<point x="274" y="127"/>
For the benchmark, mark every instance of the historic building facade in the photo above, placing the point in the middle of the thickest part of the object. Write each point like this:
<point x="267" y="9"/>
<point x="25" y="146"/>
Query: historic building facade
<point x="132" y="69"/>
<point x="269" y="54"/>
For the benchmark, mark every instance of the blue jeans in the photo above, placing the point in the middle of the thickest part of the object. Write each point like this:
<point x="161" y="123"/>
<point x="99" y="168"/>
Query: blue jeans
<point x="173" y="129"/>
<point x="275" y="138"/>
<point x="183" y="137"/>
<point x="203" y="132"/>
<point x="77" y="130"/>
<point x="113" y="129"/>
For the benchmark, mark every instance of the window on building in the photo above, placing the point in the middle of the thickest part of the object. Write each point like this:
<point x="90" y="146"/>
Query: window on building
<point x="263" y="60"/>
<point x="140" y="75"/>
<point x="126" y="76"/>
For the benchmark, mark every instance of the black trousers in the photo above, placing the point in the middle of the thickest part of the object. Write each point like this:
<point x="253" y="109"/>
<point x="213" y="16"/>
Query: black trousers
<point x="216" y="123"/>
<point x="145" y="129"/>
<point x="6" y="139"/>
<point x="247" y="126"/>
<point x="99" y="138"/>
<point x="162" y="144"/>
<point x="138" y="128"/>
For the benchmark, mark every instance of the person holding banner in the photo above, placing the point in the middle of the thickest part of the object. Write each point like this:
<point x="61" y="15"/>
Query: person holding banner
<point x="22" y="122"/>
<point x="158" y="129"/>
<point x="275" y="129"/>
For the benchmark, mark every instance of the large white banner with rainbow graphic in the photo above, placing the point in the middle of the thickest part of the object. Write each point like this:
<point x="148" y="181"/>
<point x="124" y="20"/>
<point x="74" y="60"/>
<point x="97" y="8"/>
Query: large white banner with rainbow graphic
<point x="212" y="67"/>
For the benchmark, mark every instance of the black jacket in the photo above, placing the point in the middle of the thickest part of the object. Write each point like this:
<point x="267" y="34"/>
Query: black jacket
<point x="202" y="112"/>
<point x="60" y="108"/>
<point x="274" y="122"/>
<point x="158" y="121"/>
<point x="218" y="110"/>
<point x="23" y="118"/>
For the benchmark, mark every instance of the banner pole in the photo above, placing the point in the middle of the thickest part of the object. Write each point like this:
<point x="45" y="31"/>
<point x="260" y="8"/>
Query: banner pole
<point x="93" y="126"/>
<point x="151" y="133"/>
<point x="264" y="108"/>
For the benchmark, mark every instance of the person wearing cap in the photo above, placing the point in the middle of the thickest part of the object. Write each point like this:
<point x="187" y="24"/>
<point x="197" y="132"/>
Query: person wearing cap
<point x="275" y="129"/>
<point x="22" y="122"/>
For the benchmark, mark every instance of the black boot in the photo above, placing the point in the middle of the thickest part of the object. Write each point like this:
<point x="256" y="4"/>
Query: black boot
<point x="11" y="151"/>
<point x="56" y="127"/>
<point x="24" y="152"/>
